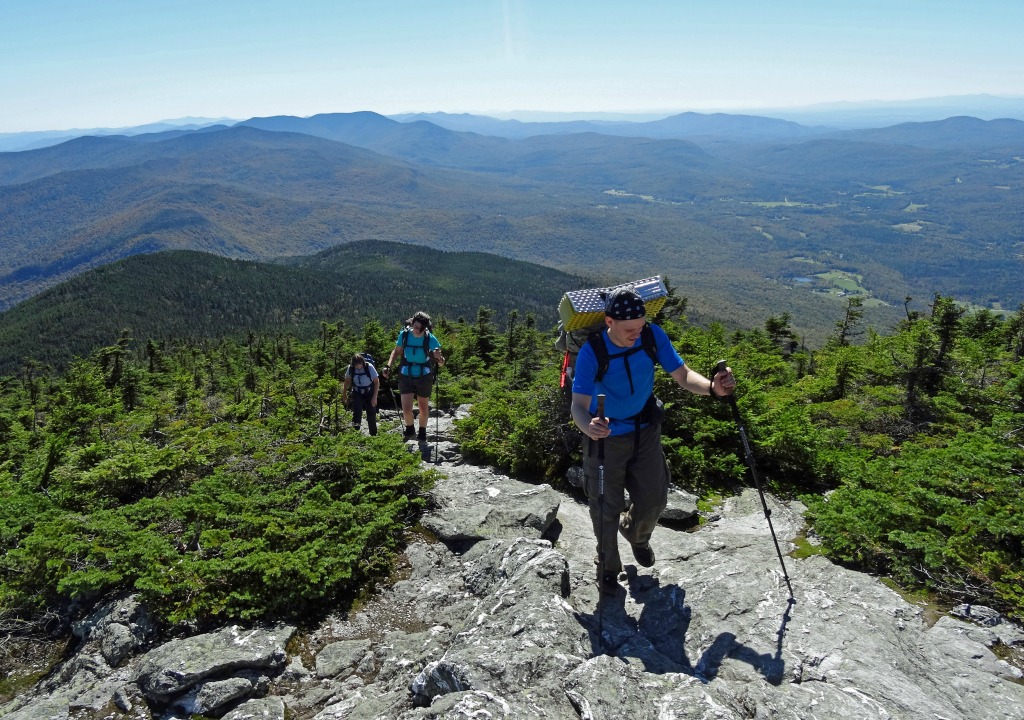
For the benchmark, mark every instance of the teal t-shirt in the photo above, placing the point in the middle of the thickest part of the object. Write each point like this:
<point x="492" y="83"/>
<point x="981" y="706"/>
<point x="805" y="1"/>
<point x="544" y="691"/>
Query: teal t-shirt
<point x="417" y="352"/>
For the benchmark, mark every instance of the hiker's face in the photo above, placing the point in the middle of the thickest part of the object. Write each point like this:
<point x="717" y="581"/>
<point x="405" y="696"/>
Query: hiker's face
<point x="417" y="328"/>
<point x="624" y="333"/>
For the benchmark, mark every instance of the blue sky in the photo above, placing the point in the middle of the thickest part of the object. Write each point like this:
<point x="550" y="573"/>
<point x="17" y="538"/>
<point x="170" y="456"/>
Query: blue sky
<point x="117" y="63"/>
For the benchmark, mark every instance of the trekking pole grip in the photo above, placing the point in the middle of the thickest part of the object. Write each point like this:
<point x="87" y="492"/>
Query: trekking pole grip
<point x="721" y="366"/>
<point x="600" y="406"/>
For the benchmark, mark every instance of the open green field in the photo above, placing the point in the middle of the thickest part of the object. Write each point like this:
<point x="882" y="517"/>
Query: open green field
<point x="847" y="282"/>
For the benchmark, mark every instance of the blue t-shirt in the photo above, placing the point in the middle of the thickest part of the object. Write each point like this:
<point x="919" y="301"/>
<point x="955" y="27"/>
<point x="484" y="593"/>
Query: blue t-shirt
<point x="620" y="404"/>
<point x="417" y="360"/>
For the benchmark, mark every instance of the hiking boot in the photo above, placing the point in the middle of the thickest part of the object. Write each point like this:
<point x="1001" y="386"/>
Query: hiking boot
<point x="644" y="554"/>
<point x="422" y="437"/>
<point x="609" y="583"/>
<point x="410" y="432"/>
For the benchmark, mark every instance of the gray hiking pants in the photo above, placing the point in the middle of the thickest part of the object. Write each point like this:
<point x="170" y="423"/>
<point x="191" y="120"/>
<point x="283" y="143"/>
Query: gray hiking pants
<point x="646" y="478"/>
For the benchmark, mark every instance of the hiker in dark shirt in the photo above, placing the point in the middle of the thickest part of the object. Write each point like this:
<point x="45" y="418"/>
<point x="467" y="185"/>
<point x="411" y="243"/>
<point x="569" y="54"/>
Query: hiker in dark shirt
<point x="418" y="349"/>
<point x="361" y="377"/>
<point x="630" y="431"/>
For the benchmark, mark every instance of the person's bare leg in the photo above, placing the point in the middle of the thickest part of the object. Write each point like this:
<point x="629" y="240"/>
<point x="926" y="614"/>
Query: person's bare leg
<point x="424" y="403"/>
<point x="407" y="408"/>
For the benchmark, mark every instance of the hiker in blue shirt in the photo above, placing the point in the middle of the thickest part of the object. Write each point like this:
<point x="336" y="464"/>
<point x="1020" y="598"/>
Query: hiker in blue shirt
<point x="418" y="350"/>
<point x="362" y="378"/>
<point x="631" y="429"/>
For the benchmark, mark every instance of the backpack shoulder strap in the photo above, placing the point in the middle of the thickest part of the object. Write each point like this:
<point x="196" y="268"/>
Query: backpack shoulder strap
<point x="596" y="342"/>
<point x="649" y="344"/>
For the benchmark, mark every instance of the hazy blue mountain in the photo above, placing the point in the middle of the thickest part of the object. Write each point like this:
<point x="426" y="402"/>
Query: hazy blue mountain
<point x="34" y="140"/>
<point x="875" y="114"/>
<point x="682" y="126"/>
<point x="420" y="142"/>
<point x="581" y="159"/>
<point x="955" y="133"/>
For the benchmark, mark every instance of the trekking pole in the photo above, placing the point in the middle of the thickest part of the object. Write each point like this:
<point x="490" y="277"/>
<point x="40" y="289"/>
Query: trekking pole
<point x="396" y="401"/>
<point x="437" y="409"/>
<point x="757" y="481"/>
<point x="600" y="529"/>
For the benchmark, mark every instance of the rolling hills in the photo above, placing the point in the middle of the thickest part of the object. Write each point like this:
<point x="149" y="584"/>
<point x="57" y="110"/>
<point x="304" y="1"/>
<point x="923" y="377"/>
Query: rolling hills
<point x="746" y="229"/>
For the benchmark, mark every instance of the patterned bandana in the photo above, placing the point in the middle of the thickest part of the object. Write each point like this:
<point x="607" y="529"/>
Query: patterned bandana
<point x="625" y="304"/>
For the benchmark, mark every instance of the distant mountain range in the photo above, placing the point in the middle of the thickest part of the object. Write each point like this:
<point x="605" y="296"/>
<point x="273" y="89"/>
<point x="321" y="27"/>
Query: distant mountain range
<point x="682" y="126"/>
<point x="33" y="140"/>
<point x="874" y="114"/>
<point x="814" y="118"/>
<point x="751" y="217"/>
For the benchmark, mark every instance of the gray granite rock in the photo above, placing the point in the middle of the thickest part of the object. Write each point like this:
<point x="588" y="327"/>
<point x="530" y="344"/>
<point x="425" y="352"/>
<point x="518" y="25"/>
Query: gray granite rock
<point x="500" y="617"/>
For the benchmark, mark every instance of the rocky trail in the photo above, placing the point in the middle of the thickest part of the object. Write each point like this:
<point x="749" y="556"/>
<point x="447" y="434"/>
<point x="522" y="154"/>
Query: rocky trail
<point x="495" y="615"/>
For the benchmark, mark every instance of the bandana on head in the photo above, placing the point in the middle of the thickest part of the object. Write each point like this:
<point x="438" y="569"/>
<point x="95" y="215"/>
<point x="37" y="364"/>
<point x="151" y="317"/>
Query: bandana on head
<point x="625" y="304"/>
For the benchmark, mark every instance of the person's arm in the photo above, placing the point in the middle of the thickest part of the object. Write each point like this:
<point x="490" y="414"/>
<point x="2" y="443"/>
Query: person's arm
<point x="724" y="382"/>
<point x="376" y="386"/>
<point x="435" y="349"/>
<point x="394" y="352"/>
<point x="593" y="427"/>
<point x="344" y="389"/>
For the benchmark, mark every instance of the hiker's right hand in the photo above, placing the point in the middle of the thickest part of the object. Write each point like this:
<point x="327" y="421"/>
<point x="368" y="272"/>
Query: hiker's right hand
<point x="598" y="428"/>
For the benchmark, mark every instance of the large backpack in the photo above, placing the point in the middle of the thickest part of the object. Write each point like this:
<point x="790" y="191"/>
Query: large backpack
<point x="581" y="314"/>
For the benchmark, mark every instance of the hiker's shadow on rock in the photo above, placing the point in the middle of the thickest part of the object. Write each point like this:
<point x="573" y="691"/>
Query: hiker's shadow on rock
<point x="425" y="449"/>
<point x="609" y="625"/>
<point x="658" y="637"/>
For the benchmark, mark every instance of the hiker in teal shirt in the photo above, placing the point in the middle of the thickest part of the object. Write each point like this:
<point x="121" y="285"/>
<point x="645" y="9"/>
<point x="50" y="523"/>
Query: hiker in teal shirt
<point x="418" y="351"/>
<point x="630" y="430"/>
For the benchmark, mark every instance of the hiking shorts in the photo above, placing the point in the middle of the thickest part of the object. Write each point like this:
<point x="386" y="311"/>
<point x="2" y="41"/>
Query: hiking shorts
<point x="419" y="386"/>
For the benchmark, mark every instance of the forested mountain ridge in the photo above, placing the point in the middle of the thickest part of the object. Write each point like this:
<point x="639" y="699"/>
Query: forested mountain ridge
<point x="186" y="296"/>
<point x="240" y="193"/>
<point x="747" y="230"/>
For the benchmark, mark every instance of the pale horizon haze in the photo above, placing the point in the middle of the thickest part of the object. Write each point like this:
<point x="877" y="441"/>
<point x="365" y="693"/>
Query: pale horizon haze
<point x="112" y="63"/>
